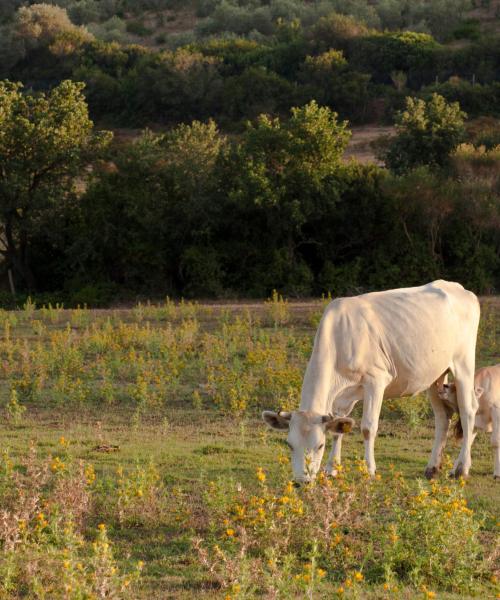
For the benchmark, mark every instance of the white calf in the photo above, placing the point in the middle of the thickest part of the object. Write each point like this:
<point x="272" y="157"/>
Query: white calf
<point x="487" y="390"/>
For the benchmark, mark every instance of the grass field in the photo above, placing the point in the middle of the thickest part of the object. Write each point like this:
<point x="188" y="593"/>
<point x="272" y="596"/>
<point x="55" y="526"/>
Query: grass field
<point x="135" y="465"/>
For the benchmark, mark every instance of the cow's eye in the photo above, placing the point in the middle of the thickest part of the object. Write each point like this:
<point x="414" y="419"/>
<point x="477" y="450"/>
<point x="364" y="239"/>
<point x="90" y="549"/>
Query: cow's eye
<point x="320" y="447"/>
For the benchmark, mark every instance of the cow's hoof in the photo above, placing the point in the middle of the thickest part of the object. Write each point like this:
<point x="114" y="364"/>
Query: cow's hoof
<point x="431" y="472"/>
<point x="458" y="472"/>
<point x="496" y="477"/>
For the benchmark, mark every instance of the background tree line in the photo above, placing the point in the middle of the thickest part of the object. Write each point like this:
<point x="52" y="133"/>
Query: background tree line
<point x="341" y="55"/>
<point x="192" y="212"/>
<point x="246" y="188"/>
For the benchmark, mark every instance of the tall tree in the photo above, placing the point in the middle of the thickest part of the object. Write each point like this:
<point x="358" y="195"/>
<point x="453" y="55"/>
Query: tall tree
<point x="47" y="143"/>
<point x="287" y="173"/>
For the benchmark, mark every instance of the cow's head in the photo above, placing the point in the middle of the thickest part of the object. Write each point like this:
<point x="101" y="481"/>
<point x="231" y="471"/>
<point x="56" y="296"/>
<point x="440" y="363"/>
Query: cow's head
<point x="307" y="437"/>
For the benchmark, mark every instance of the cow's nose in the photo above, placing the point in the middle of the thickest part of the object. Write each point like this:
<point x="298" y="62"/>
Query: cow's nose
<point x="296" y="484"/>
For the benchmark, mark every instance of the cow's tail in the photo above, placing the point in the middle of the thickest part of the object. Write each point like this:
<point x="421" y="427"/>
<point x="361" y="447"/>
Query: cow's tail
<point x="458" y="429"/>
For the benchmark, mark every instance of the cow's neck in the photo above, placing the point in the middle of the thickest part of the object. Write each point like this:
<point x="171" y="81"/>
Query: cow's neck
<point x="325" y="389"/>
<point x="317" y="384"/>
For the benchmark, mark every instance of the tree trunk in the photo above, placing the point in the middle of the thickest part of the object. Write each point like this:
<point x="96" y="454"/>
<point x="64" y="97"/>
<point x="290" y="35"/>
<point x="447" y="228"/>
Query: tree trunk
<point x="17" y="257"/>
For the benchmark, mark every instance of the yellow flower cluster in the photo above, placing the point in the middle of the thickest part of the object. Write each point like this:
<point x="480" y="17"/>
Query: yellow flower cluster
<point x="89" y="474"/>
<point x="261" y="476"/>
<point x="41" y="522"/>
<point x="57" y="465"/>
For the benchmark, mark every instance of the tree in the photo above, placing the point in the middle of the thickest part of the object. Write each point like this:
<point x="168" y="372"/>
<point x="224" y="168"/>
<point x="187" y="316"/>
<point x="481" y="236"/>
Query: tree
<point x="40" y="24"/>
<point x="336" y="31"/>
<point x="284" y="174"/>
<point x="46" y="143"/>
<point x="147" y="223"/>
<point x="427" y="132"/>
<point x="328" y="79"/>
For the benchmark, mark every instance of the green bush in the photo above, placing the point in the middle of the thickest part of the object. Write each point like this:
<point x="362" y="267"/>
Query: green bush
<point x="138" y="28"/>
<point x="427" y="132"/>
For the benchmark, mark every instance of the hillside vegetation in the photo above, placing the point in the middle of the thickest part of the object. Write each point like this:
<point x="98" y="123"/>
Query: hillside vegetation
<point x="162" y="62"/>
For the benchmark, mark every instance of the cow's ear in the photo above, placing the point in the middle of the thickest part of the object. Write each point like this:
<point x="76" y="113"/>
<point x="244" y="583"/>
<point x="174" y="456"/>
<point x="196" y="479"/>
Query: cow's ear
<point x="338" y="424"/>
<point x="277" y="420"/>
<point x="479" y="391"/>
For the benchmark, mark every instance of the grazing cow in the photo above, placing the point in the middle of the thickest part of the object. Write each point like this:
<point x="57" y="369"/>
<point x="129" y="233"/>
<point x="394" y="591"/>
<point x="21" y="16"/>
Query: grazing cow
<point x="384" y="345"/>
<point x="487" y="390"/>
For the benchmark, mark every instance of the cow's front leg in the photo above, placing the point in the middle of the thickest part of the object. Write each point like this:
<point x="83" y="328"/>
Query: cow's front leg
<point x="372" y="404"/>
<point x="467" y="406"/>
<point x="442" y="423"/>
<point x="334" y="456"/>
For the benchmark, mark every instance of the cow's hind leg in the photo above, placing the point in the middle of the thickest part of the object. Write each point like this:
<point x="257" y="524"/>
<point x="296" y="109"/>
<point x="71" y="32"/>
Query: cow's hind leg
<point x="442" y="418"/>
<point x="372" y="404"/>
<point x="334" y="457"/>
<point x="467" y="407"/>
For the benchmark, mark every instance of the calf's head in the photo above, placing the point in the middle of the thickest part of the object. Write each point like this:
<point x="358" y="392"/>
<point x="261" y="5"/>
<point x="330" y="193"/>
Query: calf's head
<point x="306" y="437"/>
<point x="447" y="393"/>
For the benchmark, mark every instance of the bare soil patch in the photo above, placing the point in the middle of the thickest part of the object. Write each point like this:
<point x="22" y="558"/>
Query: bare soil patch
<point x="361" y="144"/>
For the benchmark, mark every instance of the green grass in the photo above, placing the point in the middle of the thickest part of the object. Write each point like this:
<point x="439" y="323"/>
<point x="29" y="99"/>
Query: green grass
<point x="194" y="446"/>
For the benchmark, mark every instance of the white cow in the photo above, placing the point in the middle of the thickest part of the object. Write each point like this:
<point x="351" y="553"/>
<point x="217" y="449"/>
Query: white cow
<point x="384" y="345"/>
<point x="487" y="390"/>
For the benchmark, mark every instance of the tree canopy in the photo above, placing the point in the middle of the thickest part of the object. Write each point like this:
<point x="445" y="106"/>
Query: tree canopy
<point x="46" y="142"/>
<point x="427" y="132"/>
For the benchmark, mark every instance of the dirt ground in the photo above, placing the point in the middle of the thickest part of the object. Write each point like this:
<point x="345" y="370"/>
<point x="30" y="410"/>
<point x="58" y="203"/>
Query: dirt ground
<point x="360" y="146"/>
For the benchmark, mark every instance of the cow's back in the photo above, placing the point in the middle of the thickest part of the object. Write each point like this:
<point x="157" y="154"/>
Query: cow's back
<point x="414" y="334"/>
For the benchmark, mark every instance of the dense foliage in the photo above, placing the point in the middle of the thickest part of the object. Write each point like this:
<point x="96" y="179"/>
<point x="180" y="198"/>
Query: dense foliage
<point x="193" y="212"/>
<point x="245" y="189"/>
<point x="239" y="59"/>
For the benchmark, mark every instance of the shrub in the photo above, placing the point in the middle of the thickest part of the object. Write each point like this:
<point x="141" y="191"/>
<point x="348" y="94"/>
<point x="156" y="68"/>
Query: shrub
<point x="434" y="539"/>
<point x="138" y="28"/>
<point x="427" y="132"/>
<point x="279" y="541"/>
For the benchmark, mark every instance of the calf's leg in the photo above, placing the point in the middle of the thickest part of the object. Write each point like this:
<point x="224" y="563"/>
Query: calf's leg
<point x="495" y="439"/>
<point x="442" y="423"/>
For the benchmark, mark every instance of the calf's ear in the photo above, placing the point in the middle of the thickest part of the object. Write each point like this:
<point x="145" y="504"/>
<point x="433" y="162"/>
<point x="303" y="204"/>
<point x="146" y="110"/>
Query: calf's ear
<point x="277" y="420"/>
<point x="338" y="424"/>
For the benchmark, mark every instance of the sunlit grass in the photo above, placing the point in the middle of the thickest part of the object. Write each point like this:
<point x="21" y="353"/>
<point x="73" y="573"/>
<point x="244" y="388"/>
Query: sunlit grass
<point x="151" y="414"/>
